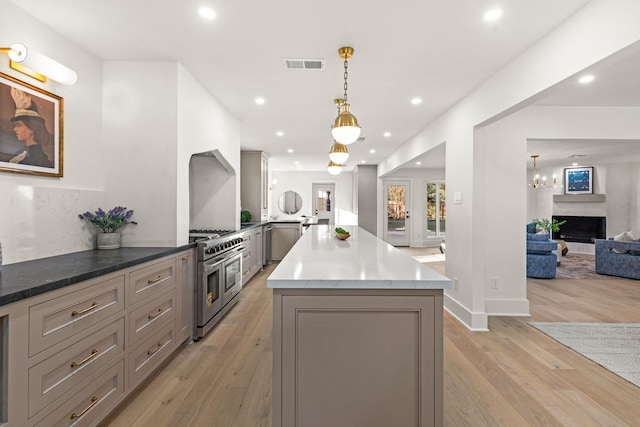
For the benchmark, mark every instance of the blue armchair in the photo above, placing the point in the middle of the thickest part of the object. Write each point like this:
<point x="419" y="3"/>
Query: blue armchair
<point x="541" y="262"/>
<point x="617" y="258"/>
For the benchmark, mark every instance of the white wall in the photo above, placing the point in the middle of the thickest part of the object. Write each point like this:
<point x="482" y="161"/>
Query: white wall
<point x="418" y="199"/>
<point x="503" y="186"/>
<point x="301" y="182"/>
<point x="596" y="31"/>
<point x="127" y="143"/>
<point x="40" y="214"/>
<point x="155" y="117"/>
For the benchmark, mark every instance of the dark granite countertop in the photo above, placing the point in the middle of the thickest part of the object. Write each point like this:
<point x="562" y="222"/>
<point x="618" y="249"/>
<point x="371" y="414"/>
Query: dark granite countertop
<point x="30" y="278"/>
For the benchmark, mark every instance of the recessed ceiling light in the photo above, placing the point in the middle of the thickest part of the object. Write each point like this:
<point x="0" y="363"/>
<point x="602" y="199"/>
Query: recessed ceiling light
<point x="492" y="15"/>
<point x="290" y="151"/>
<point x="279" y="133"/>
<point x="259" y="100"/>
<point x="206" y="13"/>
<point x="416" y="101"/>
<point x="418" y="163"/>
<point x="372" y="151"/>
<point x="363" y="161"/>
<point x="387" y="134"/>
<point x="586" y="79"/>
<point x="574" y="164"/>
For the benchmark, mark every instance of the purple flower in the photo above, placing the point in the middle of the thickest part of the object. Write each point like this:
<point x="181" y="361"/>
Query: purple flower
<point x="111" y="221"/>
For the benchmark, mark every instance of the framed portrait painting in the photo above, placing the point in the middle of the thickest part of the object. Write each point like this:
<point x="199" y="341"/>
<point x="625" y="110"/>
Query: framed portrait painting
<point x="30" y="129"/>
<point x="578" y="180"/>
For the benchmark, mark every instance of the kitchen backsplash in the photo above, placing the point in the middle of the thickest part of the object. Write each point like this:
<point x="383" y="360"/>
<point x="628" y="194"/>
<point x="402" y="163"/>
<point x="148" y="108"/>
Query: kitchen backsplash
<point x="39" y="222"/>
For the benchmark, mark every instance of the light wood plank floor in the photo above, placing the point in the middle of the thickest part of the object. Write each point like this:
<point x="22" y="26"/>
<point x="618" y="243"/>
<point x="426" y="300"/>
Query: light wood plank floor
<point x="511" y="376"/>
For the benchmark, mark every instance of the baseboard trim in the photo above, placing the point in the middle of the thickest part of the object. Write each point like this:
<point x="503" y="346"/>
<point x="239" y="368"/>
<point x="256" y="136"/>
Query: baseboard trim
<point x="507" y="307"/>
<point x="473" y="321"/>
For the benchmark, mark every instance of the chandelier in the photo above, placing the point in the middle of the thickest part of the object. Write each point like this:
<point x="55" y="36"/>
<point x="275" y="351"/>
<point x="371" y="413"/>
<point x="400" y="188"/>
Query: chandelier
<point x="346" y="129"/>
<point x="537" y="181"/>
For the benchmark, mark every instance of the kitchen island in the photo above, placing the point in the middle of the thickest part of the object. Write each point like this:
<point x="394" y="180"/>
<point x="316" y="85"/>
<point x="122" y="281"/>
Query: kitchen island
<point x="357" y="334"/>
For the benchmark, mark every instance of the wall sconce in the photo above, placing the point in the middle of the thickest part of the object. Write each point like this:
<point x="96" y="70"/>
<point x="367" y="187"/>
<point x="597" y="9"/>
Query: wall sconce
<point x="37" y="65"/>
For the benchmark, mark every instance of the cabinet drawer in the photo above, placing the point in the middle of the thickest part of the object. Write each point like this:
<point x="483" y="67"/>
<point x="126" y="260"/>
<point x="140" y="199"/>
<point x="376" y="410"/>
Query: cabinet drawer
<point x="151" y="353"/>
<point x="65" y="370"/>
<point x="152" y="280"/>
<point x="58" y="319"/>
<point x="146" y="320"/>
<point x="87" y="406"/>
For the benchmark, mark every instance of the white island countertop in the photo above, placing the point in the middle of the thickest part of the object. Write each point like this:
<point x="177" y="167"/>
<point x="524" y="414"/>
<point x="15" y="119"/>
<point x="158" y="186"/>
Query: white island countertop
<point x="320" y="260"/>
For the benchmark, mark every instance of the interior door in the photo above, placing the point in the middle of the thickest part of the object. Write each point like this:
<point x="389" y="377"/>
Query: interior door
<point x="397" y="226"/>
<point x="324" y="203"/>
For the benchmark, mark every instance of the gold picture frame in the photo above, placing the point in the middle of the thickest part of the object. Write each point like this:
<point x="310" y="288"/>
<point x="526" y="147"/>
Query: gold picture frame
<point x="31" y="124"/>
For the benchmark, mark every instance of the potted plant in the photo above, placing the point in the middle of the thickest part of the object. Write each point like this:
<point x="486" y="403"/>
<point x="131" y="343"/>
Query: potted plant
<point x="108" y="224"/>
<point x="549" y="225"/>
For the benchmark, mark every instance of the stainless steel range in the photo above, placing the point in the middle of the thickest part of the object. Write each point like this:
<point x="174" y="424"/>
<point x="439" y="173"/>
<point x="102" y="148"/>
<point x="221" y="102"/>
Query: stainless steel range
<point x="219" y="282"/>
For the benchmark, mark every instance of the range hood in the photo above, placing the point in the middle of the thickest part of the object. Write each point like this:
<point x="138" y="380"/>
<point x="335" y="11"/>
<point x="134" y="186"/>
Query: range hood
<point x="212" y="192"/>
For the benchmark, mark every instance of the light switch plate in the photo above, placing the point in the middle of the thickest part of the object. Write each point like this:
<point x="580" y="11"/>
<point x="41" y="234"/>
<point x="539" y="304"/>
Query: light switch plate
<point x="457" y="197"/>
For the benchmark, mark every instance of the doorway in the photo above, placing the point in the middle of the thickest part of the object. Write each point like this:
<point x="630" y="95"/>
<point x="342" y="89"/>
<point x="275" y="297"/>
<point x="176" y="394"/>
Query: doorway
<point x="324" y="203"/>
<point x="397" y="228"/>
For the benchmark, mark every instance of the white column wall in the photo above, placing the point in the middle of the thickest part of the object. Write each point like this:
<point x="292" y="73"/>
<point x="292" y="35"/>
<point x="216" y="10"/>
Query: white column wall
<point x="156" y="116"/>
<point x="598" y="30"/>
<point x="140" y="128"/>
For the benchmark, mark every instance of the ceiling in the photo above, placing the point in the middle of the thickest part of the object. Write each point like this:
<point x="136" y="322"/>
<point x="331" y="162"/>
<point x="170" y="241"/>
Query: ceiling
<point x="436" y="50"/>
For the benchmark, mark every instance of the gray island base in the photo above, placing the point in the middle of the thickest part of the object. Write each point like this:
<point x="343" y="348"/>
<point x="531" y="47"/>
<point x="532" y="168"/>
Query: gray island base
<point x="357" y="335"/>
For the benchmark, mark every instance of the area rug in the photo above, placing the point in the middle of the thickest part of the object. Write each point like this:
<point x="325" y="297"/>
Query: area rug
<point x="578" y="266"/>
<point x="615" y="346"/>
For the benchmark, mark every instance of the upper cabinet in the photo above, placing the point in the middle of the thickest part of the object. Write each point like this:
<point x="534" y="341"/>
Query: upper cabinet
<point x="254" y="184"/>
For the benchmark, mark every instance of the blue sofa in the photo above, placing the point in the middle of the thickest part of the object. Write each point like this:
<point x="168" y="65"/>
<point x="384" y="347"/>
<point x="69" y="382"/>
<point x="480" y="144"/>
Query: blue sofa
<point x="612" y="263"/>
<point x="541" y="262"/>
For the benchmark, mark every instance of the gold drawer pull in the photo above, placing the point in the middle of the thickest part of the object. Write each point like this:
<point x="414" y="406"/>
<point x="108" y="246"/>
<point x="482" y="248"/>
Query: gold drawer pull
<point x="186" y="257"/>
<point x="91" y="307"/>
<point x="156" y="314"/>
<point x="93" y="354"/>
<point x="157" y="279"/>
<point x="153" y="350"/>
<point x="94" y="400"/>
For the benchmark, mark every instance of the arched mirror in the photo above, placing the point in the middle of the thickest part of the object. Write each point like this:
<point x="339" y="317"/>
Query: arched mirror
<point x="290" y="202"/>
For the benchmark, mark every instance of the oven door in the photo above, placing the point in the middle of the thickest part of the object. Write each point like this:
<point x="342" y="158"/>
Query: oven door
<point x="232" y="276"/>
<point x="209" y="292"/>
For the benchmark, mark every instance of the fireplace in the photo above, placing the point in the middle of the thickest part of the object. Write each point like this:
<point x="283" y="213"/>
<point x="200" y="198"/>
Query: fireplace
<point x="583" y="229"/>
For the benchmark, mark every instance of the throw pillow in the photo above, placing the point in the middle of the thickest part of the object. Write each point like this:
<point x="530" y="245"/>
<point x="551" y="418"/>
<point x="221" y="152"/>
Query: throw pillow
<point x="625" y="236"/>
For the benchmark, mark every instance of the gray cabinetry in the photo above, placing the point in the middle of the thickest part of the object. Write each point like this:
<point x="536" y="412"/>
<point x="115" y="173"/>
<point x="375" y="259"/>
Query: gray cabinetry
<point x="252" y="257"/>
<point x="75" y="353"/>
<point x="254" y="184"/>
<point x="283" y="236"/>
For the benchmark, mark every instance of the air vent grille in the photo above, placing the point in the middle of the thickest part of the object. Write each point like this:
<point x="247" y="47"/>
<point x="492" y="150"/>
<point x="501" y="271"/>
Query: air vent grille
<point x="303" y="64"/>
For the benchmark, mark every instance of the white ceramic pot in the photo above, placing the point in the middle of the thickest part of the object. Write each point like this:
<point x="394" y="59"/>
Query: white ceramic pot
<point x="108" y="240"/>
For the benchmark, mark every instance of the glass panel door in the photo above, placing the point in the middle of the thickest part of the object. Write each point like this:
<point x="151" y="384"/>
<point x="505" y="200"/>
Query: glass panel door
<point x="436" y="210"/>
<point x="397" y="230"/>
<point x="323" y="203"/>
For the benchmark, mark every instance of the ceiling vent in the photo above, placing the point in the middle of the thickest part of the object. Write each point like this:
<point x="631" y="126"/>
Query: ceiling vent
<point x="303" y="64"/>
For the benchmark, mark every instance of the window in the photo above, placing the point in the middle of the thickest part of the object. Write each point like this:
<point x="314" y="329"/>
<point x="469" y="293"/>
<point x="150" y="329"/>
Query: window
<point x="436" y="209"/>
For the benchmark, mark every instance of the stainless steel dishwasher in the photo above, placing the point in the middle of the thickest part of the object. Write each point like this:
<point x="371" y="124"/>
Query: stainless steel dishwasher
<point x="266" y="244"/>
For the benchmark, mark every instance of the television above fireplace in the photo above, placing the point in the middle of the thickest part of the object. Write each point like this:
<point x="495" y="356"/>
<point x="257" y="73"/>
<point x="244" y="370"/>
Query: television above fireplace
<point x="584" y="229"/>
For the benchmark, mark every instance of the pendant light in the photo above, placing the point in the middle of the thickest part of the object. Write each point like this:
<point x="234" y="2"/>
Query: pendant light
<point x="346" y="129"/>
<point x="537" y="181"/>
<point x="334" y="168"/>
<point x="339" y="153"/>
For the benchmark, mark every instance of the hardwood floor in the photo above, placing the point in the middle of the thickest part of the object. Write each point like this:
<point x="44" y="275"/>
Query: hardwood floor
<point x="513" y="375"/>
